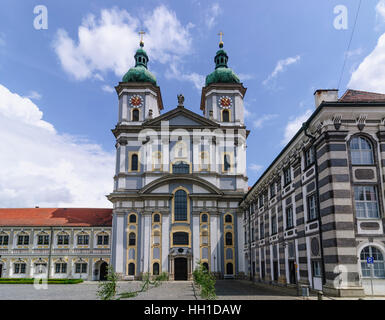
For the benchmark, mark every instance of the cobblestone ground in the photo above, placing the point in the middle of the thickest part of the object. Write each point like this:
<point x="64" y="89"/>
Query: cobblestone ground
<point x="178" y="290"/>
<point x="245" y="290"/>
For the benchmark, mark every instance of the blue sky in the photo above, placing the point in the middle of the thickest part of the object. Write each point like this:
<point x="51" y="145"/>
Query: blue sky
<point x="57" y="105"/>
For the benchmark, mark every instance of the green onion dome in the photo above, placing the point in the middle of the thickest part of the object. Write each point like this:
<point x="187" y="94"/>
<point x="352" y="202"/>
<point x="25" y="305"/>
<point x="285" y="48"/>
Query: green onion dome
<point x="140" y="73"/>
<point x="222" y="73"/>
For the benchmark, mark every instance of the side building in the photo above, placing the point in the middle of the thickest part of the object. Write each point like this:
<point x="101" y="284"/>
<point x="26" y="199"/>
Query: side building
<point x="316" y="215"/>
<point x="55" y="243"/>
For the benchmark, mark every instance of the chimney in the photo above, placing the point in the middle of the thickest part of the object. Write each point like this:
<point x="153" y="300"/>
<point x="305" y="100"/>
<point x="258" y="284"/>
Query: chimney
<point x="327" y="95"/>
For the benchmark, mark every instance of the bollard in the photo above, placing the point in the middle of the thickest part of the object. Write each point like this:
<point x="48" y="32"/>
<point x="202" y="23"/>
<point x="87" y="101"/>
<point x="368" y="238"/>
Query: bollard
<point x="320" y="295"/>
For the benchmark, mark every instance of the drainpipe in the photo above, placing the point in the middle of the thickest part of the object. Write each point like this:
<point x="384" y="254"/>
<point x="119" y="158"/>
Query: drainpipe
<point x="249" y="241"/>
<point x="50" y="252"/>
<point x="305" y="127"/>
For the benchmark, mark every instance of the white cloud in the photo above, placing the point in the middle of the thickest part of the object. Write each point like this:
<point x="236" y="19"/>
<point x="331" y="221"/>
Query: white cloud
<point x="39" y="166"/>
<point x="294" y="125"/>
<point x="108" y="43"/>
<point x="108" y="89"/>
<point x="280" y="67"/>
<point x="174" y="72"/>
<point x="261" y="121"/>
<point x="355" y="52"/>
<point x="380" y="9"/>
<point x="255" y="167"/>
<point x="34" y="95"/>
<point x="212" y="14"/>
<point x="370" y="74"/>
<point x="245" y="76"/>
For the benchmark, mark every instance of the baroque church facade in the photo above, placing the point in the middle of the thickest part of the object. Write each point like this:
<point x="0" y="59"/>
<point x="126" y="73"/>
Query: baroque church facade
<point x="179" y="177"/>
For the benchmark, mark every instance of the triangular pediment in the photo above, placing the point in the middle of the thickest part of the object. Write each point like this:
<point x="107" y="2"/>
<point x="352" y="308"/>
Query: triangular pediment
<point x="181" y="117"/>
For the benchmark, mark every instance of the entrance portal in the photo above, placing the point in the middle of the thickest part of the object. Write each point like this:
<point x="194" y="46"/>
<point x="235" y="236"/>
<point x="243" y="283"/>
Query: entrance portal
<point x="103" y="271"/>
<point x="180" y="267"/>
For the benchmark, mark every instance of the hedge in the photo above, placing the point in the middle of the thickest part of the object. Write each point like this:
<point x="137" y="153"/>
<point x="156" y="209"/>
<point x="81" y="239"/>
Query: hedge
<point x="32" y="281"/>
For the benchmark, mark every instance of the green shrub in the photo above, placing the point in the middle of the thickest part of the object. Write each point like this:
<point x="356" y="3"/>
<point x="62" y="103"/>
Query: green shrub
<point x="32" y="281"/>
<point x="107" y="289"/>
<point x="205" y="281"/>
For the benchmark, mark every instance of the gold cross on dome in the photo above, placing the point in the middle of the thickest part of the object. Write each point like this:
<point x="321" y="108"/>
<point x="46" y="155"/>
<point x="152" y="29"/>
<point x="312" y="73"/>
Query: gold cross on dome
<point x="220" y="34"/>
<point x="141" y="36"/>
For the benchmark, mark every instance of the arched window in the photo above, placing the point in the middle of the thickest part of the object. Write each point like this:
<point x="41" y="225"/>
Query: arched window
<point x="132" y="218"/>
<point x="180" y="238"/>
<point x="229" y="239"/>
<point x="228" y="218"/>
<point x="155" y="269"/>
<point x="229" y="268"/>
<point x="204" y="217"/>
<point x="156" y="217"/>
<point x="378" y="268"/>
<point x="134" y="162"/>
<point x="135" y="115"/>
<point x="226" y="162"/>
<point x="225" y="116"/>
<point x="131" y="269"/>
<point x="180" y="206"/>
<point x="131" y="239"/>
<point x="361" y="151"/>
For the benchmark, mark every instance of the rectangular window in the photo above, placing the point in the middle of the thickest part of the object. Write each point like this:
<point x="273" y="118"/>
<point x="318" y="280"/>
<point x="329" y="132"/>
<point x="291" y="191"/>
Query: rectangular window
<point x="316" y="267"/>
<point x="102" y="240"/>
<point x="252" y="235"/>
<point x="80" y="267"/>
<point x="365" y="198"/>
<point x="309" y="157"/>
<point x="4" y="240"/>
<point x="261" y="201"/>
<point x="272" y="190"/>
<point x="312" y="207"/>
<point x="261" y="231"/>
<point x="289" y="217"/>
<point x="274" y="224"/>
<point x="62" y="239"/>
<point x="42" y="239"/>
<point x="22" y="240"/>
<point x="40" y="267"/>
<point x="60" y="267"/>
<point x="19" y="268"/>
<point x="287" y="176"/>
<point x="83" y="239"/>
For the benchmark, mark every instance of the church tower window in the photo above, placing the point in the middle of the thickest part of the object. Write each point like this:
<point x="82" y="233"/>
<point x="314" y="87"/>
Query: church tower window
<point x="225" y="116"/>
<point x="135" y="115"/>
<point x="134" y="162"/>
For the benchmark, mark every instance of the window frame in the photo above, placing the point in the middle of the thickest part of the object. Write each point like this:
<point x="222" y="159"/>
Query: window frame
<point x="365" y="201"/>
<point x="308" y="198"/>
<point x="361" y="151"/>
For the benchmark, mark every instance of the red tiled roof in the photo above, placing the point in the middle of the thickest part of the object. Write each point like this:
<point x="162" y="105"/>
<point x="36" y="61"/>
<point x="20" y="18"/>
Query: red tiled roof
<point x="70" y="217"/>
<point x="361" y="96"/>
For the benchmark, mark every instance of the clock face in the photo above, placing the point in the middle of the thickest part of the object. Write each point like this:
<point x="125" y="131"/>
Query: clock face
<point x="136" y="101"/>
<point x="225" y="102"/>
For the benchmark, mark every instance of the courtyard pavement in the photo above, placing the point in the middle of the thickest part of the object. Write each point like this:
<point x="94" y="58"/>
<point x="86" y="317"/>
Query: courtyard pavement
<point x="173" y="290"/>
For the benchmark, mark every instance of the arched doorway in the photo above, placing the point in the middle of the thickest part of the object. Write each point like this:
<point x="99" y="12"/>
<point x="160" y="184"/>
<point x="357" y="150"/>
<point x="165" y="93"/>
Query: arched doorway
<point x="180" y="267"/>
<point x="103" y="271"/>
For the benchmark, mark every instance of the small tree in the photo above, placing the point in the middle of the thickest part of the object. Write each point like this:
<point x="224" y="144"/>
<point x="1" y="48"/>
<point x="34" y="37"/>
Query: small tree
<point x="205" y="280"/>
<point x="107" y="289"/>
